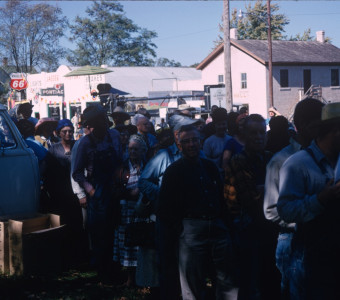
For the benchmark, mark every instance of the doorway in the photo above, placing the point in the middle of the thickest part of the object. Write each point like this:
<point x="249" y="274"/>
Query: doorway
<point x="307" y="80"/>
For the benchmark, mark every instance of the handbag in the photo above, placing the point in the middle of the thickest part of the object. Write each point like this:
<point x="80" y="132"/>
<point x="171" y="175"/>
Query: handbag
<point x="140" y="233"/>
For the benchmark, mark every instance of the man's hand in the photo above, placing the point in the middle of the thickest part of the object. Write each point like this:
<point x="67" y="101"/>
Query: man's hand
<point x="134" y="192"/>
<point x="83" y="202"/>
<point x="330" y="192"/>
<point x="91" y="193"/>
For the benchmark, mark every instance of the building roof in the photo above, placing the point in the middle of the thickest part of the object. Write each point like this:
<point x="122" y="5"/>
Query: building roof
<point x="138" y="81"/>
<point x="4" y="76"/>
<point x="283" y="52"/>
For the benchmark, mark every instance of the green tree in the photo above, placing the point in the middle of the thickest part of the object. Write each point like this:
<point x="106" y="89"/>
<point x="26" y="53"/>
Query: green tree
<point x="253" y="23"/>
<point x="165" y="62"/>
<point x="30" y="35"/>
<point x="107" y="36"/>
<point x="307" y="36"/>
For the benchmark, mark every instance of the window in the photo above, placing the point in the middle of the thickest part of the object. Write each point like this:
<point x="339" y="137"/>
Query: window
<point x="243" y="80"/>
<point x="6" y="138"/>
<point x="284" y="78"/>
<point x="220" y="79"/>
<point x="334" y="77"/>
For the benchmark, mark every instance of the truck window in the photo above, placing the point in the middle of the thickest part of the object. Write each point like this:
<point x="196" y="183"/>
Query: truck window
<point x="7" y="140"/>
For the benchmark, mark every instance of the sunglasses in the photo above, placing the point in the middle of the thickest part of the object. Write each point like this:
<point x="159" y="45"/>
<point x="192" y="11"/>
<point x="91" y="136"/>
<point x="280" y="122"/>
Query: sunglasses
<point x="66" y="131"/>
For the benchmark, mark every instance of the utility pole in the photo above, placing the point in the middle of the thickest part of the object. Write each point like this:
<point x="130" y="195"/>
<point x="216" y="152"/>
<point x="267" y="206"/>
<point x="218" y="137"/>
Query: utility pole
<point x="227" y="56"/>
<point x="270" y="52"/>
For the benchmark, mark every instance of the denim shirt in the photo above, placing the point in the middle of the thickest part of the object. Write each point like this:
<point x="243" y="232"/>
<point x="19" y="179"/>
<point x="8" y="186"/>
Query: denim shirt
<point x="151" y="178"/>
<point x="271" y="195"/>
<point x="86" y="156"/>
<point x="301" y="180"/>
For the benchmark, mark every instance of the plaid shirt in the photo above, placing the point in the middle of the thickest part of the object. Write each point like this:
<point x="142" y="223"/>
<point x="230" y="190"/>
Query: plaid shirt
<point x="244" y="182"/>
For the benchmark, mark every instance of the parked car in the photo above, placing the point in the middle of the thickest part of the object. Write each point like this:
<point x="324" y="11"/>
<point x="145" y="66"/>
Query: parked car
<point x="19" y="171"/>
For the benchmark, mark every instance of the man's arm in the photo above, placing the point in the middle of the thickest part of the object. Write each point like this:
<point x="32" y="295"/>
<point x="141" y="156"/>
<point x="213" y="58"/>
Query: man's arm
<point x="271" y="195"/>
<point x="295" y="204"/>
<point x="79" y="167"/>
<point x="149" y="180"/>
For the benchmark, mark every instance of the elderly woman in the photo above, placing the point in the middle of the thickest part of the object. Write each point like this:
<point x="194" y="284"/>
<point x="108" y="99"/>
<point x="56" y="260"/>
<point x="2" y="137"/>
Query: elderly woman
<point x="63" y="201"/>
<point x="128" y="181"/>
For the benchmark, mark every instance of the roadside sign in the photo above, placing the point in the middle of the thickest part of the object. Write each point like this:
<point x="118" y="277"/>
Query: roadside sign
<point x="18" y="81"/>
<point x="19" y="84"/>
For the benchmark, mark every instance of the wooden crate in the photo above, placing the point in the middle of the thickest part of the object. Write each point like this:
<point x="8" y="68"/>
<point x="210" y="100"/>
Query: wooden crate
<point x="4" y="247"/>
<point x="35" y="245"/>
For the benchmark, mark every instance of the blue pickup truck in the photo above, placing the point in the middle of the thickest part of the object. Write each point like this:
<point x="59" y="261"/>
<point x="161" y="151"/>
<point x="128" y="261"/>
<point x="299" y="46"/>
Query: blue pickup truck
<point x="19" y="171"/>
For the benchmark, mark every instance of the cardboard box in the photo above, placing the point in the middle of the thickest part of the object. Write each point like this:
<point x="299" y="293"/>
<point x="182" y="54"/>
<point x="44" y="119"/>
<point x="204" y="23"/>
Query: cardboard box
<point x="4" y="247"/>
<point x="35" y="245"/>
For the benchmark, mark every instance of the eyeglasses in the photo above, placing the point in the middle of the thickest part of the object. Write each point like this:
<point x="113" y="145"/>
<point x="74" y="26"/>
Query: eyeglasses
<point x="134" y="148"/>
<point x="194" y="140"/>
<point x="67" y="131"/>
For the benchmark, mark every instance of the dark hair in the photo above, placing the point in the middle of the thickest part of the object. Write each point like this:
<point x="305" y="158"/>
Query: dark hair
<point x="278" y="124"/>
<point x="243" y="110"/>
<point x="253" y="118"/>
<point x="232" y="126"/>
<point x="25" y="127"/>
<point x="306" y="112"/>
<point x="219" y="114"/>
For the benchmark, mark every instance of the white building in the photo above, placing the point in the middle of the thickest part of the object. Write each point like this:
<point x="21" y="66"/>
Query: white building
<point x="297" y="66"/>
<point x="54" y="95"/>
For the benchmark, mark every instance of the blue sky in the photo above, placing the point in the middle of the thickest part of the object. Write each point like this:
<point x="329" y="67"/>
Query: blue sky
<point x="186" y="29"/>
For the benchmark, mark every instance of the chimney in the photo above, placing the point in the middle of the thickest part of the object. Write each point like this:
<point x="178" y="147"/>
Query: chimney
<point x="320" y="36"/>
<point x="5" y="61"/>
<point x="233" y="33"/>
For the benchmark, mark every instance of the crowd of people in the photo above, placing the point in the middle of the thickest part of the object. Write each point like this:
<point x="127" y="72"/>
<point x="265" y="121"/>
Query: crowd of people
<point x="245" y="205"/>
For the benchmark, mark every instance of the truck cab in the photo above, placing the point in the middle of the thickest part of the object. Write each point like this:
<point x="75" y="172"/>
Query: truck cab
<point x="19" y="171"/>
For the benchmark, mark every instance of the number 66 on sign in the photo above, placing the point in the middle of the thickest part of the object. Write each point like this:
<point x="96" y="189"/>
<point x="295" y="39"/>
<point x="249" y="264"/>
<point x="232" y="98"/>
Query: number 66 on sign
<point x="19" y="84"/>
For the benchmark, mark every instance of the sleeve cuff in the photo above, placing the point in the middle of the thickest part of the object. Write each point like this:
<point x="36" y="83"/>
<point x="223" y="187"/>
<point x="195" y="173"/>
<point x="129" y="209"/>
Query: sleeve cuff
<point x="81" y="195"/>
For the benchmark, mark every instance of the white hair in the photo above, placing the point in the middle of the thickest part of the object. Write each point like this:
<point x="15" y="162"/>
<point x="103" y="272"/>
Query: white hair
<point x="135" y="119"/>
<point x="138" y="139"/>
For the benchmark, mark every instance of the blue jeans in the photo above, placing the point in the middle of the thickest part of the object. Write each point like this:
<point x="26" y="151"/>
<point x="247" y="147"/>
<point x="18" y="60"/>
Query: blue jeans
<point x="289" y="260"/>
<point x="202" y="244"/>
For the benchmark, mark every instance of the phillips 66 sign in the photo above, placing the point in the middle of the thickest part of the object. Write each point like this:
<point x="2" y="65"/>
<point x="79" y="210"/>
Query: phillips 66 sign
<point x="18" y="82"/>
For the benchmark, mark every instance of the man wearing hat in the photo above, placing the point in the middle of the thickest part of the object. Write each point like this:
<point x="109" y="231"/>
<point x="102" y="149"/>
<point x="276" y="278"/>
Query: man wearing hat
<point x="310" y="198"/>
<point x="99" y="154"/>
<point x="119" y="116"/>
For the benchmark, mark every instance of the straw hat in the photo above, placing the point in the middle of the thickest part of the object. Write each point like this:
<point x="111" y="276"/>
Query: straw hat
<point x="119" y="112"/>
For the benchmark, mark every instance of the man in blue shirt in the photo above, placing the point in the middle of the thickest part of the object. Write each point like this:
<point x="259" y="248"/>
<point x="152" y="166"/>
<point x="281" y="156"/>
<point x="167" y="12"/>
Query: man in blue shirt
<point x="309" y="198"/>
<point x="290" y="264"/>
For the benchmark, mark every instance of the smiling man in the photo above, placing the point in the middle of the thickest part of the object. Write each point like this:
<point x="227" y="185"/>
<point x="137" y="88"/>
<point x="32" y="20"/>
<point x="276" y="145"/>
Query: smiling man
<point x="190" y="212"/>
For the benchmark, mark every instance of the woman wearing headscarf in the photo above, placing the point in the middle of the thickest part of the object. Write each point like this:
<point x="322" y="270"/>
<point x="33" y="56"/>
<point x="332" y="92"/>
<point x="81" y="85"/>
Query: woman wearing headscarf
<point x="128" y="177"/>
<point x="63" y="201"/>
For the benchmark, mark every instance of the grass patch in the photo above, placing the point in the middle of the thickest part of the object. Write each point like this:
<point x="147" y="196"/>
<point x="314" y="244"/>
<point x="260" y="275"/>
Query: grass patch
<point x="77" y="284"/>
